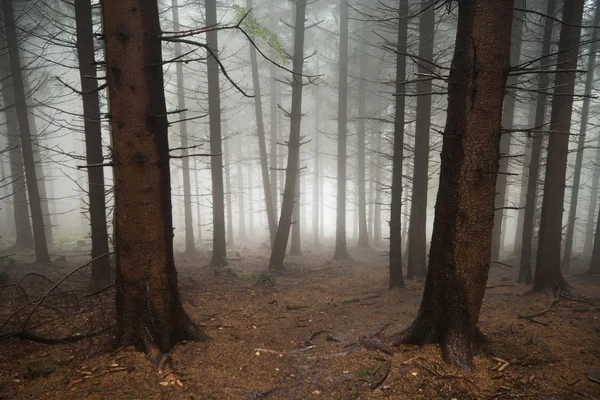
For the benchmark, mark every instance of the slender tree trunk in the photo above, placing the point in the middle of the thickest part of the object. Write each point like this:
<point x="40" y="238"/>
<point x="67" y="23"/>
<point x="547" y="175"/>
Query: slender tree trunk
<point x="317" y="167"/>
<point x="296" y="243"/>
<point x="262" y="146"/>
<point x="240" y="193"/>
<point x="273" y="144"/>
<point x="250" y="202"/>
<point x="228" y="194"/>
<point x="363" y="232"/>
<point x="377" y="237"/>
<point x="417" y="235"/>
<point x="581" y="142"/>
<point x="101" y="271"/>
<point x="24" y="235"/>
<point x="219" y="253"/>
<point x="395" y="222"/>
<point x="291" y="174"/>
<point x="39" y="234"/>
<point x="525" y="275"/>
<point x="507" y="123"/>
<point x="595" y="263"/>
<point x="589" y="232"/>
<point x="148" y="306"/>
<point x="548" y="276"/>
<point x="190" y="243"/>
<point x="464" y="212"/>
<point x="341" y="249"/>
<point x="198" y="208"/>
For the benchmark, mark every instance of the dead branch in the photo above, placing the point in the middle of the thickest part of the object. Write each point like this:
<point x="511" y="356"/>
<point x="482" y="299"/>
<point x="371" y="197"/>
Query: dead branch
<point x="540" y="313"/>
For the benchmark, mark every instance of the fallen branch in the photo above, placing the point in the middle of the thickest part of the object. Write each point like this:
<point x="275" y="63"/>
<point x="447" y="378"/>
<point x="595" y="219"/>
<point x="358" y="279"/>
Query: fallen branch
<point x="384" y="376"/>
<point x="33" y="337"/>
<point x="359" y="299"/>
<point x="540" y="313"/>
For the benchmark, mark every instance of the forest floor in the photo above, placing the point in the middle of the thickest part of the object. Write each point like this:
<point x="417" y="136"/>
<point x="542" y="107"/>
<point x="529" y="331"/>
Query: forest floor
<point x="300" y="338"/>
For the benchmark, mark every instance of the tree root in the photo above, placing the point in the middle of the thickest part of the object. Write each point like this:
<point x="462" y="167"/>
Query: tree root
<point x="540" y="313"/>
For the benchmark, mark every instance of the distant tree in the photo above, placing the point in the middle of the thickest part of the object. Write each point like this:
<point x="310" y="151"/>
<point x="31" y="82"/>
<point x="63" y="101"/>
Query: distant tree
<point x="548" y="275"/>
<point x="395" y="222"/>
<point x="101" y="272"/>
<point x="291" y="172"/>
<point x="363" y="232"/>
<point x="464" y="213"/>
<point x="18" y="84"/>
<point x="417" y="234"/>
<point x="228" y="189"/>
<point x="149" y="311"/>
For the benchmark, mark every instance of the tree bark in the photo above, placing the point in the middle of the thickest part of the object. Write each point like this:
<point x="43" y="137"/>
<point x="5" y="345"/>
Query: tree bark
<point x="219" y="251"/>
<point x="591" y="211"/>
<point x="24" y="235"/>
<point x="198" y="208"/>
<point x="148" y="306"/>
<point x="317" y="166"/>
<point x="417" y="234"/>
<point x="581" y="141"/>
<point x="341" y="249"/>
<point x="296" y="242"/>
<point x="35" y="207"/>
<point x="377" y="237"/>
<point x="507" y="123"/>
<point x="291" y="173"/>
<point x="240" y="194"/>
<point x="525" y="274"/>
<point x="273" y="145"/>
<point x="395" y="222"/>
<point x="190" y="243"/>
<point x="101" y="269"/>
<point x="464" y="212"/>
<point x="363" y="231"/>
<point x="227" y="167"/>
<point x="548" y="276"/>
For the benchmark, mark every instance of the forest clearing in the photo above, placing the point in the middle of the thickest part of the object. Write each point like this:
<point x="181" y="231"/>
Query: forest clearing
<point x="301" y="338"/>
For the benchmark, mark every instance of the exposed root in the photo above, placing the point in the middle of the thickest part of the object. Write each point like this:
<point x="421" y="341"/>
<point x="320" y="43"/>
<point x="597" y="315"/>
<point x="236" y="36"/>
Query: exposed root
<point x="540" y="313"/>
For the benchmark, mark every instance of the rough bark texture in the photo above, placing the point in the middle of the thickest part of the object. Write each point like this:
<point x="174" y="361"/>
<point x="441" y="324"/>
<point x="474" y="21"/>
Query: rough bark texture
<point x="24" y="235"/>
<point x="548" y="276"/>
<point x="101" y="271"/>
<point x="464" y="212"/>
<point x="291" y="172"/>
<point x="363" y="233"/>
<point x="417" y="235"/>
<point x="507" y="123"/>
<point x="35" y="206"/>
<point x="262" y="145"/>
<point x="525" y="274"/>
<point x="395" y="222"/>
<point x="148" y="306"/>
<point x="581" y="141"/>
<point x="341" y="249"/>
<point x="219" y="251"/>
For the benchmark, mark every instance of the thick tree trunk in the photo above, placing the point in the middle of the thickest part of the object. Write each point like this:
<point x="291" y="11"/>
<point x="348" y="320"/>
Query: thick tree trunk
<point x="24" y="235"/>
<point x="548" y="276"/>
<point x="190" y="244"/>
<point x="219" y="251"/>
<point x="525" y="274"/>
<point x="395" y="222"/>
<point x="581" y="141"/>
<point x="507" y="123"/>
<point x="291" y="173"/>
<point x="148" y="306"/>
<point x="464" y="212"/>
<point x="101" y="271"/>
<point x="227" y="167"/>
<point x="595" y="263"/>
<point x="591" y="211"/>
<point x="341" y="249"/>
<point x="296" y="242"/>
<point x="262" y="146"/>
<point x="363" y="233"/>
<point x="417" y="235"/>
<point x="35" y="207"/>
<point x="273" y="144"/>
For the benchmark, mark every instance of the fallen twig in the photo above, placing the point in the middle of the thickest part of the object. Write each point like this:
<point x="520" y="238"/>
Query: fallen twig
<point x="540" y="313"/>
<point x="379" y="382"/>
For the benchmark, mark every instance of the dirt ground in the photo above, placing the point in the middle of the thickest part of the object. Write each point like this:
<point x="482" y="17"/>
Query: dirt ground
<point x="298" y="337"/>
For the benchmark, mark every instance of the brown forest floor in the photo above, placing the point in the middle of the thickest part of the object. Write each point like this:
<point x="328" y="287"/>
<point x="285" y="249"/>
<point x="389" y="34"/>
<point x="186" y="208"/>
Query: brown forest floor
<point x="299" y="339"/>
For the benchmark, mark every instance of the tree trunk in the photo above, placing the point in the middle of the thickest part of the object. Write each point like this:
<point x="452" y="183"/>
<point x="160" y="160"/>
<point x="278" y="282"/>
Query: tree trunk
<point x="363" y="231"/>
<point x="317" y="166"/>
<point x="250" y="203"/>
<point x="198" y="208"/>
<point x="24" y="235"/>
<point x="507" y="123"/>
<point x="417" y="235"/>
<point x="581" y="142"/>
<point x="548" y="276"/>
<point x="395" y="222"/>
<point x="591" y="211"/>
<point x="291" y="173"/>
<point x="273" y="144"/>
<point x="377" y="239"/>
<point x="39" y="234"/>
<point x="228" y="194"/>
<point x="219" y="251"/>
<point x="240" y="194"/>
<point x="341" y="250"/>
<point x="148" y="306"/>
<point x="464" y="212"/>
<point x="101" y="271"/>
<point x="296" y="244"/>
<point x="525" y="275"/>
<point x="262" y="146"/>
<point x="190" y="244"/>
